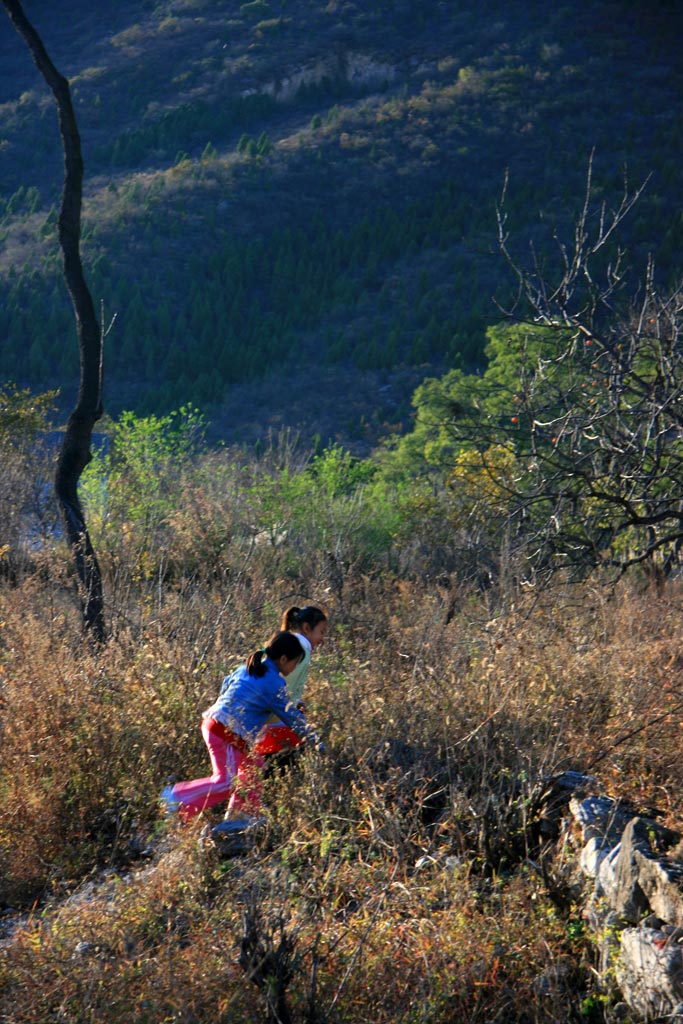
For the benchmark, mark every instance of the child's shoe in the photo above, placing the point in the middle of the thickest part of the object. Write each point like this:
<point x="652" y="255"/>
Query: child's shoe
<point x="169" y="802"/>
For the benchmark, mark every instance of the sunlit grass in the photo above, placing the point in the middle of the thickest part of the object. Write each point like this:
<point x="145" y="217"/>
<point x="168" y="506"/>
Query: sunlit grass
<point x="396" y="878"/>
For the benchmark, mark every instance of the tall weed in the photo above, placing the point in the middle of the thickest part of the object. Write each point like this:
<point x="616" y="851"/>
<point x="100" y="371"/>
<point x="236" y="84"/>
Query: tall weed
<point x="398" y="876"/>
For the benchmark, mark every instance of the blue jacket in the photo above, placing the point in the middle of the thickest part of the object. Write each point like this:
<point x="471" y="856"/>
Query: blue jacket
<point x="246" y="703"/>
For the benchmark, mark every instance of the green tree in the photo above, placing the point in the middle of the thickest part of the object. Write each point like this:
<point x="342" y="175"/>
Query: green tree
<point x="578" y="418"/>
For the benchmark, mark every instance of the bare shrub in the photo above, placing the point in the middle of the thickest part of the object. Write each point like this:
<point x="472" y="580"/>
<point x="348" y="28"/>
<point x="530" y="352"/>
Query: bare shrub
<point x="401" y="875"/>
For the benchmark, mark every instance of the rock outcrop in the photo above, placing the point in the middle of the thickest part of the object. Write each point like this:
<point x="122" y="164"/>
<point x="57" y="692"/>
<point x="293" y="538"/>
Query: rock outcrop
<point x="632" y="869"/>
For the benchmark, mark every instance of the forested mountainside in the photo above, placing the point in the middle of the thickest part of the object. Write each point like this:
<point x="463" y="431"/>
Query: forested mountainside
<point x="290" y="205"/>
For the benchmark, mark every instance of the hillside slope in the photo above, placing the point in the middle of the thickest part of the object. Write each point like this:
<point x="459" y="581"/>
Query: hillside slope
<point x="290" y="207"/>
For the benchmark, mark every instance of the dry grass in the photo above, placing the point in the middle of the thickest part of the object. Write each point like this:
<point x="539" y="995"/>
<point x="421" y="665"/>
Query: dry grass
<point x="396" y="878"/>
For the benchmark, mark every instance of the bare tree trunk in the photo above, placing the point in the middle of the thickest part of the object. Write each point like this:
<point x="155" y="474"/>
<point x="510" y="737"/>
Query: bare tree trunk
<point x="75" y="451"/>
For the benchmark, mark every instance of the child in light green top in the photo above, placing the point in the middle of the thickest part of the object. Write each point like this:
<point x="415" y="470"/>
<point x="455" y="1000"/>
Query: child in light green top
<point x="310" y="626"/>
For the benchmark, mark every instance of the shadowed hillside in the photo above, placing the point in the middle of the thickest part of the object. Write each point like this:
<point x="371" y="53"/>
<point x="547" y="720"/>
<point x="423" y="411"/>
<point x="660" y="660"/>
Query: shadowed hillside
<point x="308" y="190"/>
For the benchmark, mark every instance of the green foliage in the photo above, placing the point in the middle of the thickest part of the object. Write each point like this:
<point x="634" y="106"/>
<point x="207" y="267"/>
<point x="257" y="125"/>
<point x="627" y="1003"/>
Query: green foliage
<point x="336" y="472"/>
<point x="184" y="126"/>
<point x="130" y="488"/>
<point x="23" y="415"/>
<point x="566" y="444"/>
<point x="248" y="289"/>
<point x="374" y="229"/>
<point x="25" y="201"/>
<point x="326" y="512"/>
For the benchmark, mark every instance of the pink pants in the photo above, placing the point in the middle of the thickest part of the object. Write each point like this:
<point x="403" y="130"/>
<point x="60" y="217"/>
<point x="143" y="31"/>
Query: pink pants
<point x="236" y="774"/>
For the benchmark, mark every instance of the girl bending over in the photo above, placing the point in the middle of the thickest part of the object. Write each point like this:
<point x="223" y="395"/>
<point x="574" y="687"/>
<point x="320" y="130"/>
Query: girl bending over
<point x="249" y="697"/>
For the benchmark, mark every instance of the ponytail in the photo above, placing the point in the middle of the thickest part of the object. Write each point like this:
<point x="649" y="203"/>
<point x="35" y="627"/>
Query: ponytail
<point x="280" y="644"/>
<point x="255" y="666"/>
<point x="295" y="618"/>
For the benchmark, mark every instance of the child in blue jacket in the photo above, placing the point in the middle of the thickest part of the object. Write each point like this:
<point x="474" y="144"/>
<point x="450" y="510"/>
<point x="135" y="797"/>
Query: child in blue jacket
<point x="249" y="697"/>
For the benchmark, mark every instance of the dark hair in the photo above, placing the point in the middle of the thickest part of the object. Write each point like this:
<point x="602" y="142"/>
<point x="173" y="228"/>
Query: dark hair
<point x="279" y="644"/>
<point x="295" y="618"/>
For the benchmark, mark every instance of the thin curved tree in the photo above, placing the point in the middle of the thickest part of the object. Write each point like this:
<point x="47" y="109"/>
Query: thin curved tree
<point x="75" y="452"/>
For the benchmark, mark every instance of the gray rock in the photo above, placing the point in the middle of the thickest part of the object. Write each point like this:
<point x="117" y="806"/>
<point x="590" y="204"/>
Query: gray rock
<point x="643" y="882"/>
<point x="629" y="900"/>
<point x="652" y="921"/>
<point x="636" y="871"/>
<point x="600" y="818"/>
<point x="662" y="883"/>
<point x="649" y="973"/>
<point x="82" y="950"/>
<point x="231" y="838"/>
<point x="606" y="883"/>
<point x="592" y="855"/>
<point x="575" y="780"/>
<point x="555" y="979"/>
